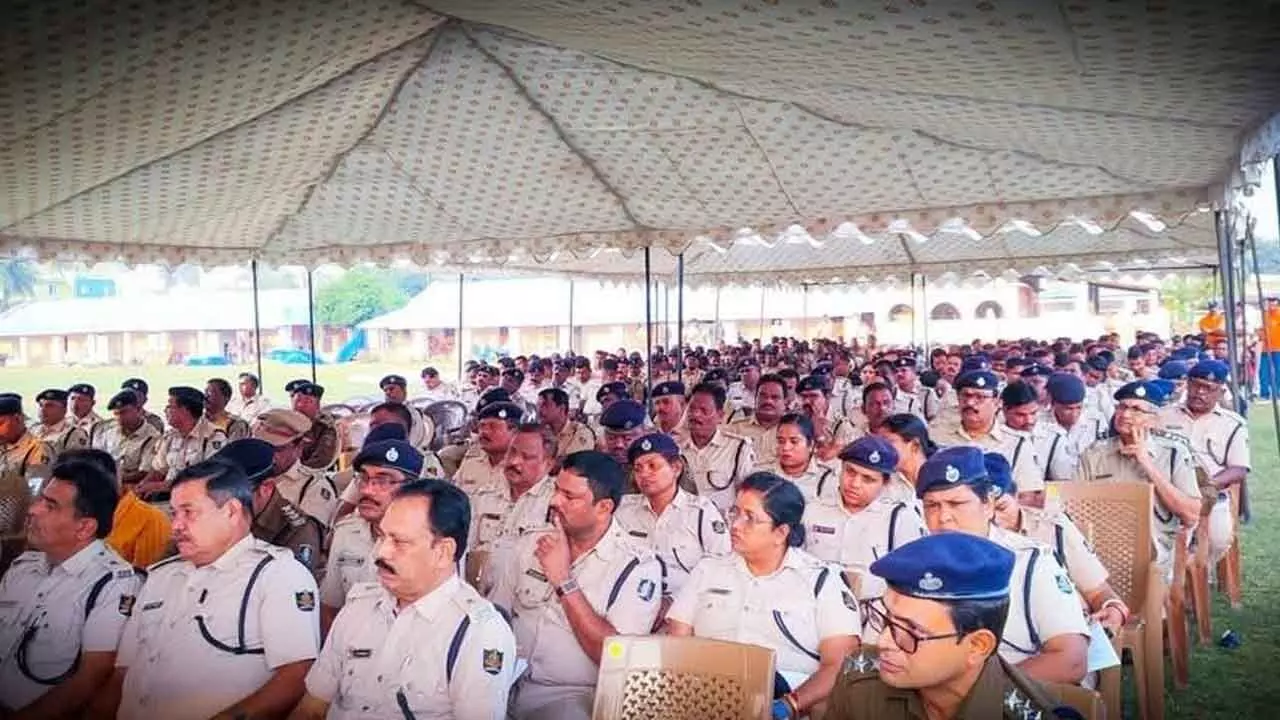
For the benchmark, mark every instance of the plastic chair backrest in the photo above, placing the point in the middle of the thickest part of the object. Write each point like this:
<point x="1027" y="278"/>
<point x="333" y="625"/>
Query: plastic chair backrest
<point x="1115" y="518"/>
<point x="659" y="676"/>
<point x="1085" y="701"/>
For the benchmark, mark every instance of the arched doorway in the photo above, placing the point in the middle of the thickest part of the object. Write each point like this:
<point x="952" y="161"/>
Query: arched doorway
<point x="900" y="313"/>
<point x="990" y="310"/>
<point x="944" y="311"/>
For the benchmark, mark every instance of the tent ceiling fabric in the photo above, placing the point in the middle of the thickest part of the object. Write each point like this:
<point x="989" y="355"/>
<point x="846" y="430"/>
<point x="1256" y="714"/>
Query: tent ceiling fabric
<point x="214" y="131"/>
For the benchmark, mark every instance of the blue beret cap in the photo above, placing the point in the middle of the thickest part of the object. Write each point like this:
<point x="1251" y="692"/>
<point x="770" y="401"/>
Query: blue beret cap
<point x="822" y="368"/>
<point x="616" y="388"/>
<point x="715" y="375"/>
<point x="1214" y="370"/>
<point x="1173" y="370"/>
<point x="999" y="473"/>
<point x="670" y="388"/>
<point x="871" y="452"/>
<point x="82" y="389"/>
<point x="124" y="398"/>
<point x="493" y="395"/>
<point x="137" y="385"/>
<point x="10" y="404"/>
<point x="1167" y="389"/>
<point x="54" y="394"/>
<point x="1098" y="363"/>
<point x="396" y="454"/>
<point x="974" y="363"/>
<point x="1018" y="393"/>
<point x="508" y="411"/>
<point x="948" y="566"/>
<point x="1142" y="390"/>
<point x="256" y="457"/>
<point x="660" y="443"/>
<point x="1185" y="353"/>
<point x="386" y="431"/>
<point x="292" y="386"/>
<point x="392" y="380"/>
<point x="309" y="389"/>
<point x="962" y="464"/>
<point x="623" y="416"/>
<point x="1066" y="389"/>
<point x="980" y="379"/>
<point x="812" y="382"/>
<point x="1036" y="370"/>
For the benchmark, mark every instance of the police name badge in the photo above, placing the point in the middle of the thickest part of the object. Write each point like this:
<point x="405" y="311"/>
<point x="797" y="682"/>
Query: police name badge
<point x="126" y="604"/>
<point x="305" y="600"/>
<point x="491" y="661"/>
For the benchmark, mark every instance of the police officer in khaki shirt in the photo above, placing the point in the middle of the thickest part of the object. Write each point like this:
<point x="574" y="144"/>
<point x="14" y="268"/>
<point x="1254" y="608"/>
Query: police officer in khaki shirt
<point x="64" y="603"/>
<point x="669" y="410"/>
<point x="128" y="437"/>
<point x="55" y="427"/>
<point x="275" y="519"/>
<point x="1135" y="454"/>
<point x="716" y="461"/>
<point x="190" y="439"/>
<point x="420" y="642"/>
<point x="311" y="491"/>
<point x="422" y="429"/>
<point x="81" y="399"/>
<point x="496" y="424"/>
<point x="320" y="446"/>
<point x="381" y="468"/>
<point x="574" y="585"/>
<point x="939" y="628"/>
<point x="217" y="393"/>
<point x="228" y="628"/>
<point x="762" y="427"/>
<point x="141" y="389"/>
<point x="833" y="432"/>
<point x="571" y="436"/>
<point x="24" y="461"/>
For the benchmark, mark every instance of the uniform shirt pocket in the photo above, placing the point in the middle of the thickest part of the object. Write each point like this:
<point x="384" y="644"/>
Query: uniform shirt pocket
<point x="719" y="614"/>
<point x="532" y="590"/>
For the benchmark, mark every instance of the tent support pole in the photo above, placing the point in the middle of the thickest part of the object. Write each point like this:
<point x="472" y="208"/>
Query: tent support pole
<point x="924" y="300"/>
<point x="570" y="314"/>
<point x="680" y="313"/>
<point x="718" y="334"/>
<point x="761" y="316"/>
<point x="257" y="322"/>
<point x="458" y="338"/>
<point x="1266" y="357"/>
<point x="1226" y="260"/>
<point x="648" y="326"/>
<point x="914" y="312"/>
<point x="311" y="321"/>
<point x="804" y="310"/>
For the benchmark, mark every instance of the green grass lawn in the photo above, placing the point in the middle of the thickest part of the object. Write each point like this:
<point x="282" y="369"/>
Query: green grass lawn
<point x="1238" y="683"/>
<point x="340" y="381"/>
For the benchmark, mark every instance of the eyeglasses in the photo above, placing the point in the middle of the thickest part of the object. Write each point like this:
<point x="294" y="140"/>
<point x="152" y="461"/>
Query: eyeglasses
<point x="735" y="516"/>
<point x="380" y="480"/>
<point x="1133" y="409"/>
<point x="904" y="637"/>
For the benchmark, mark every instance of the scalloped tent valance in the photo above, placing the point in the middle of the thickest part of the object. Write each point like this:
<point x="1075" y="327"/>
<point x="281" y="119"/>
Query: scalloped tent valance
<point x="214" y="131"/>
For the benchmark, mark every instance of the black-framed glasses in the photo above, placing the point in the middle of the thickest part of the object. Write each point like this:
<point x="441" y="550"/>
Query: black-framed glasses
<point x="907" y="640"/>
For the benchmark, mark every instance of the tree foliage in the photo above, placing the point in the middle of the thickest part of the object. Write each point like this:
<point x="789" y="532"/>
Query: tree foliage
<point x="1185" y="298"/>
<point x="360" y="294"/>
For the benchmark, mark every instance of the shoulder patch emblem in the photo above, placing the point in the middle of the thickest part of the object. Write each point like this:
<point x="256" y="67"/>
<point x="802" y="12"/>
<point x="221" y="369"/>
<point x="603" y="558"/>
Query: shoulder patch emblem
<point x="717" y="527"/>
<point x="305" y="600"/>
<point x="492" y="661"/>
<point x="645" y="589"/>
<point x="304" y="553"/>
<point x="126" y="604"/>
<point x="1064" y="584"/>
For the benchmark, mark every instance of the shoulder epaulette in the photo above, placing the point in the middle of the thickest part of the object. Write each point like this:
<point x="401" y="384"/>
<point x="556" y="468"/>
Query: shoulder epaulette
<point x="163" y="563"/>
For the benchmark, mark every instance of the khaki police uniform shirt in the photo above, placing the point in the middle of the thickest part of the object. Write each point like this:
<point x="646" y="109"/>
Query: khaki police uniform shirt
<point x="154" y="420"/>
<point x="1052" y="528"/>
<point x="87" y="422"/>
<point x="1103" y="462"/>
<point x="350" y="560"/>
<point x="574" y="437"/>
<point x="621" y="580"/>
<point x="62" y="436"/>
<point x="689" y="529"/>
<point x="175" y="671"/>
<point x="1219" y="438"/>
<point x="1043" y="603"/>
<point x="741" y="400"/>
<point x="1001" y="692"/>
<point x="133" y="452"/>
<point x="44" y="625"/>
<point x="477" y="474"/>
<point x="494" y="513"/>
<point x="376" y="654"/>
<point x="574" y="391"/>
<point x="922" y="402"/>
<point x="21" y="464"/>
<point x="587" y="392"/>
<point x="1075" y="440"/>
<point x="723" y="600"/>
<point x="838" y="430"/>
<point x="234" y="427"/>
<point x="717" y="469"/>
<point x="311" y="491"/>
<point x="764" y="439"/>
<point x="1099" y="400"/>
<point x="854" y="540"/>
<point x="249" y="409"/>
<point x="817" y="480"/>
<point x="176" y="452"/>
<point x="444" y="392"/>
<point x="282" y="524"/>
<point x="1055" y="461"/>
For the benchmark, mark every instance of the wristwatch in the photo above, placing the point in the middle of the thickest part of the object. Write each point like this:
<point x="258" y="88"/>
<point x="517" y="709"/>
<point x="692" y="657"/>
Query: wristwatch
<point x="567" y="587"/>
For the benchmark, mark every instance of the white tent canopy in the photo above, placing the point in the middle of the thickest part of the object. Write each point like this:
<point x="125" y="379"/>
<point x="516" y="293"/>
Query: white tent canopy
<point x="299" y="132"/>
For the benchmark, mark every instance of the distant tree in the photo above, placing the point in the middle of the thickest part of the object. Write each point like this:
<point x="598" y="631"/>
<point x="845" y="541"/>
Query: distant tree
<point x="17" y="281"/>
<point x="1185" y="298"/>
<point x="412" y="282"/>
<point x="360" y="294"/>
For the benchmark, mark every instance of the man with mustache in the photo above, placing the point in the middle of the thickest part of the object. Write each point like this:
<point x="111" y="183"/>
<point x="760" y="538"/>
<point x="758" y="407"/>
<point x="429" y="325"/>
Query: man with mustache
<point x="228" y="628"/>
<point x="419" y="642"/>
<point x="381" y="468"/>
<point x="495" y="426"/>
<point x="64" y="603"/>
<point x="501" y="515"/>
<point x="574" y="585"/>
<point x="762" y="427"/>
